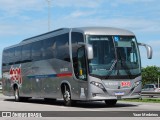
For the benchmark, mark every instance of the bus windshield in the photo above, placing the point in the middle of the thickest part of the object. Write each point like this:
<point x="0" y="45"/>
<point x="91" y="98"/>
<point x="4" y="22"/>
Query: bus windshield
<point x="114" y="56"/>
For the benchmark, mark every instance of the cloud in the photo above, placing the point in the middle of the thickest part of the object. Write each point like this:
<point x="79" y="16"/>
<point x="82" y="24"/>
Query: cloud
<point x="141" y="25"/>
<point x="77" y="3"/>
<point x="77" y="19"/>
<point x="80" y="14"/>
<point x="116" y="3"/>
<point x="154" y="43"/>
<point x="24" y="28"/>
<point x="20" y="5"/>
<point x="155" y="47"/>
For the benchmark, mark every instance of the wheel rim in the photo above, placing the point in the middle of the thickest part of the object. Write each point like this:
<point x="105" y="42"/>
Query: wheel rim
<point x="16" y="95"/>
<point x="67" y="96"/>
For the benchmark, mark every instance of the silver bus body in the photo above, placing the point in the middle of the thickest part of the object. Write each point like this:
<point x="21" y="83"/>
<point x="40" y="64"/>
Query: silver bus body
<point x="55" y="65"/>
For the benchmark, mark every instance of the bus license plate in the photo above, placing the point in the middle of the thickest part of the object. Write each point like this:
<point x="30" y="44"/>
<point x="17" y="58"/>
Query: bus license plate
<point x="119" y="93"/>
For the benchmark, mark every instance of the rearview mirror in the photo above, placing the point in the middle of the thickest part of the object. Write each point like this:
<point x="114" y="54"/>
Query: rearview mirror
<point x="89" y="50"/>
<point x="149" y="50"/>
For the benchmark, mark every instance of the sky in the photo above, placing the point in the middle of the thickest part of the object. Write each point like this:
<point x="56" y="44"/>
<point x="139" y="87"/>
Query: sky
<point x="21" y="19"/>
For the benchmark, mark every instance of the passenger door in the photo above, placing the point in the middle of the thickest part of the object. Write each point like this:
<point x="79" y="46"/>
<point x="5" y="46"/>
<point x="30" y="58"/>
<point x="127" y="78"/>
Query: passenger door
<point x="79" y="66"/>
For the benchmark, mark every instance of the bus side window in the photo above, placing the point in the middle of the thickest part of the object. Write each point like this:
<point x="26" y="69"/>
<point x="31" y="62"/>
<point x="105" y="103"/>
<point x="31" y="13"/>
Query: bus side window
<point x="11" y="56"/>
<point x="5" y="59"/>
<point x="48" y="49"/>
<point x="37" y="50"/>
<point x="18" y="55"/>
<point x="26" y="53"/>
<point x="81" y="64"/>
<point x="62" y="47"/>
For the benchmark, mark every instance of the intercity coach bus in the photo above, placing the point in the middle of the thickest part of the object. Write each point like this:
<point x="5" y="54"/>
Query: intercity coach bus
<point x="76" y="64"/>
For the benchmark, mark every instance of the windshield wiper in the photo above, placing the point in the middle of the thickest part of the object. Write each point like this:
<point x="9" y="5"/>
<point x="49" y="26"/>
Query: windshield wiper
<point x="111" y="68"/>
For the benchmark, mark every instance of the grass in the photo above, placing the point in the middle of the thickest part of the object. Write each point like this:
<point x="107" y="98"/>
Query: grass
<point x="147" y="100"/>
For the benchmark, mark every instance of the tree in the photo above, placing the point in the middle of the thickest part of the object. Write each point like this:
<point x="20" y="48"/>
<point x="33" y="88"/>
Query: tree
<point x="150" y="74"/>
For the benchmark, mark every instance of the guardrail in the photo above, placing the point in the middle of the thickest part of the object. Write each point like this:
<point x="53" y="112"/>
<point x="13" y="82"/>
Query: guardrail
<point x="149" y="93"/>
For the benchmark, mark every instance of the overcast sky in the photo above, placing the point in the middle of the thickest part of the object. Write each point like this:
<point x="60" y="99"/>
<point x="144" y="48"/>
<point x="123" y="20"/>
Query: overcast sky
<point x="20" y="19"/>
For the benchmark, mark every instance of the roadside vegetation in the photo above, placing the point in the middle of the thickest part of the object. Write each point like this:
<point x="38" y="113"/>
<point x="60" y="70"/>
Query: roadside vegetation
<point x="150" y="74"/>
<point x="148" y="100"/>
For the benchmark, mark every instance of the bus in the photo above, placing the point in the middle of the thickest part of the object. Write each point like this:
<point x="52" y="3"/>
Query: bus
<point x="75" y="64"/>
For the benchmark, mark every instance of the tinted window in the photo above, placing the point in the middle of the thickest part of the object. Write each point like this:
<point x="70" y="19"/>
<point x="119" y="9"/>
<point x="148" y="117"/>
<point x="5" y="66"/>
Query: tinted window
<point x="81" y="74"/>
<point x="37" y="50"/>
<point x="76" y="37"/>
<point x="11" y="55"/>
<point x="62" y="47"/>
<point x="8" y="57"/>
<point x="26" y="53"/>
<point x="147" y="86"/>
<point x="151" y="86"/>
<point x="17" y="55"/>
<point x="49" y="48"/>
<point x="5" y="59"/>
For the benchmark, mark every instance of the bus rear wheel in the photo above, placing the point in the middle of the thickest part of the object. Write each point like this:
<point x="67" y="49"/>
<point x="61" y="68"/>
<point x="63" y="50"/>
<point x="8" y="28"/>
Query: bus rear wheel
<point x="17" y="97"/>
<point x="110" y="102"/>
<point x="16" y="94"/>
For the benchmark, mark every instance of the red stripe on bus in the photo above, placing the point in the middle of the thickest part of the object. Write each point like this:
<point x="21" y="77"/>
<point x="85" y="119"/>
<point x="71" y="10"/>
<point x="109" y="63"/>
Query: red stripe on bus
<point x="64" y="75"/>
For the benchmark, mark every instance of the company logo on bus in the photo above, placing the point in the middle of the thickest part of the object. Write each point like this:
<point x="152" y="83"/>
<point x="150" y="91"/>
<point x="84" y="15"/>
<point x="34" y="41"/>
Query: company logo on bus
<point x="125" y="84"/>
<point x="15" y="74"/>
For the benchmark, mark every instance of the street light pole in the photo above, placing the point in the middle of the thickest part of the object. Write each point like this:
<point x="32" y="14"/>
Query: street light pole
<point x="158" y="77"/>
<point x="158" y="81"/>
<point x="49" y="14"/>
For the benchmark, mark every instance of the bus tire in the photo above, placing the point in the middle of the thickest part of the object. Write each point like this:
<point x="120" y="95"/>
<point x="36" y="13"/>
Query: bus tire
<point x="49" y="100"/>
<point x="67" y="97"/>
<point x="23" y="99"/>
<point x="17" y="97"/>
<point x="110" y="102"/>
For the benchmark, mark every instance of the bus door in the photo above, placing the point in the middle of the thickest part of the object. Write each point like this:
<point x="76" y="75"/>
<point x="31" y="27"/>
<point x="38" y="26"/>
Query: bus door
<point x="81" y="73"/>
<point x="79" y="67"/>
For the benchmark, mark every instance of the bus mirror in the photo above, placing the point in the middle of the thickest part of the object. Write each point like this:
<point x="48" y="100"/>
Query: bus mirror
<point x="89" y="51"/>
<point x="148" y="48"/>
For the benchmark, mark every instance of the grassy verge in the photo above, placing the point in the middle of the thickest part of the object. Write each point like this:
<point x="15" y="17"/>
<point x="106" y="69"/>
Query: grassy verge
<point x="148" y="100"/>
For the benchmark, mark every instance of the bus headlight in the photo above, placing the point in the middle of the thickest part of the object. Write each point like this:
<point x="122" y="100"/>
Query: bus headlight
<point x="97" y="84"/>
<point x="137" y="83"/>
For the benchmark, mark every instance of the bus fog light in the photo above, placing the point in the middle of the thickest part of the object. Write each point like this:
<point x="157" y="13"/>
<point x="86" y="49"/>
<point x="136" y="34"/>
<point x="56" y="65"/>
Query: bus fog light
<point x="94" y="94"/>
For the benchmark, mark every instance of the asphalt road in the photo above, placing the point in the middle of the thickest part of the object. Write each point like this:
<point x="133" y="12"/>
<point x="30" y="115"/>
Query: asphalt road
<point x="8" y="104"/>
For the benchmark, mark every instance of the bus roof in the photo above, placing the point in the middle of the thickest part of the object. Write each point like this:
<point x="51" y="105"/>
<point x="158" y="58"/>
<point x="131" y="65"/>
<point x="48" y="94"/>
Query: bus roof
<point x="84" y="30"/>
<point x="103" y="31"/>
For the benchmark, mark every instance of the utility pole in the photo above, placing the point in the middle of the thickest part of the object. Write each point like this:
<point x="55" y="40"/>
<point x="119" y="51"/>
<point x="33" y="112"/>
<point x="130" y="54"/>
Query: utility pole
<point x="158" y="81"/>
<point x="158" y="78"/>
<point x="49" y="14"/>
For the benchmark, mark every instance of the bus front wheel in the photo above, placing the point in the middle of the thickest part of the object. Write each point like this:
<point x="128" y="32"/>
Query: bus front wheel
<point x="67" y="97"/>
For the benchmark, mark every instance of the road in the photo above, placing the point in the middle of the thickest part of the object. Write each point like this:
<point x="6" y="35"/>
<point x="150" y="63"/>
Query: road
<point x="8" y="104"/>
